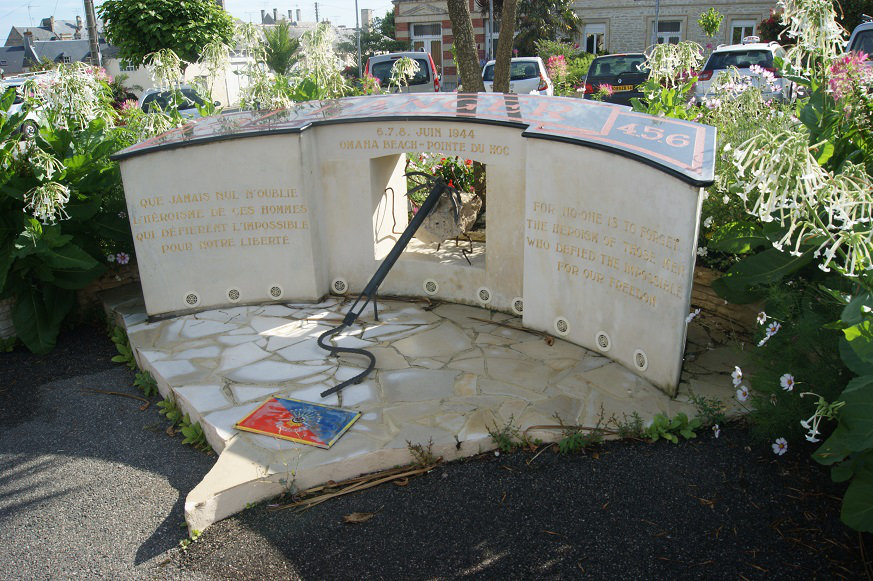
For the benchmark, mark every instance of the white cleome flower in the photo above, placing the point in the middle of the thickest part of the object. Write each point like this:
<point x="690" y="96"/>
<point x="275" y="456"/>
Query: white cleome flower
<point x="780" y="446"/>
<point x="787" y="382"/>
<point x="737" y="376"/>
<point x="743" y="393"/>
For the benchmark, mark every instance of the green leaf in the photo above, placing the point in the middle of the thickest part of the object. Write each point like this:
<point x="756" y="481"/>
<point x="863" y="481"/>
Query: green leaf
<point x="834" y="449"/>
<point x="38" y="314"/>
<point x="825" y="152"/>
<point x="843" y="471"/>
<point x="851" y="359"/>
<point x="740" y="283"/>
<point x="857" y="509"/>
<point x="857" y="415"/>
<point x="113" y="228"/>
<point x="5" y="264"/>
<point x="68" y="257"/>
<point x="860" y="339"/>
<point x="854" y="312"/>
<point x="738" y="238"/>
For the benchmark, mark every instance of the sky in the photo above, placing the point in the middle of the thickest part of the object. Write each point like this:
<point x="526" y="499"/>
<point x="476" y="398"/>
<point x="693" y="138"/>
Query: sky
<point x="30" y="12"/>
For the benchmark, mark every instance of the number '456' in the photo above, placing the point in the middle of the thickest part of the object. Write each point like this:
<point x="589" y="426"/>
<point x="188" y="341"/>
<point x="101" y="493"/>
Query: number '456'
<point x="656" y="134"/>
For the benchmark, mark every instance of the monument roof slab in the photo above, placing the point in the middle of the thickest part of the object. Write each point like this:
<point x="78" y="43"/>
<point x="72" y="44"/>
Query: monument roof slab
<point x="681" y="148"/>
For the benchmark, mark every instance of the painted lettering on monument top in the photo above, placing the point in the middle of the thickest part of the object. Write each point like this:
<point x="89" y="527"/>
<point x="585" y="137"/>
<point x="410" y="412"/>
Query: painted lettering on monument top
<point x="682" y="148"/>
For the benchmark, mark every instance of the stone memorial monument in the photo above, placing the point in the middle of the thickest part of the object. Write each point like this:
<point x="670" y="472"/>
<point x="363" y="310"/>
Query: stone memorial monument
<point x="592" y="214"/>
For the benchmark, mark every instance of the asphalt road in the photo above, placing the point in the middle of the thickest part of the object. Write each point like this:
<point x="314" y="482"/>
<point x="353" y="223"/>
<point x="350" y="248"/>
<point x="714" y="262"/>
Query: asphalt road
<point x="93" y="487"/>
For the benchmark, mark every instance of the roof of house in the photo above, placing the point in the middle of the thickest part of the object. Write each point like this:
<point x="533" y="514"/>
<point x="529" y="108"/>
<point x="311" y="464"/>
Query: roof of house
<point x="11" y="60"/>
<point x="50" y="29"/>
<point x="16" y="58"/>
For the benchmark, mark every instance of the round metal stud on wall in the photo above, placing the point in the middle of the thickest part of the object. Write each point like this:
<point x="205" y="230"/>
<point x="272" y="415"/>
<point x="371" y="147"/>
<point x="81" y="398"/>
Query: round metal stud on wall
<point x="192" y="299"/>
<point x="562" y="326"/>
<point x="602" y="341"/>
<point x="518" y="306"/>
<point x="431" y="286"/>
<point x="483" y="295"/>
<point x="339" y="286"/>
<point x="233" y="295"/>
<point x="641" y="361"/>
<point x="275" y="291"/>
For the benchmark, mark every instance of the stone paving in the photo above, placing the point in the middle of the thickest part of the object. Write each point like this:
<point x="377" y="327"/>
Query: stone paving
<point x="445" y="374"/>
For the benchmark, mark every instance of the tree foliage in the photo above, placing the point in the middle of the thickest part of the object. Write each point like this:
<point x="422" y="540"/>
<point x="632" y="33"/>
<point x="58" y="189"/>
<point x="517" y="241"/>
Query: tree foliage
<point x="849" y="12"/>
<point x="280" y="48"/>
<point x="543" y="20"/>
<point x="378" y="38"/>
<point x="141" y="27"/>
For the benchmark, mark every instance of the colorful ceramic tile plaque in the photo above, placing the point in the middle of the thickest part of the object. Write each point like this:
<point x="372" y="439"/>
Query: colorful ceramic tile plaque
<point x="299" y="421"/>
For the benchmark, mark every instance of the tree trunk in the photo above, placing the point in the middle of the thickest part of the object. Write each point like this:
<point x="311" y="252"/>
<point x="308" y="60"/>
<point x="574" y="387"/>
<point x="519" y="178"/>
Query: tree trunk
<point x="504" y="46"/>
<point x="466" y="56"/>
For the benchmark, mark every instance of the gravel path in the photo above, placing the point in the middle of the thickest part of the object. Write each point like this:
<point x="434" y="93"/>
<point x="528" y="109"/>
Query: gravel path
<point x="92" y="487"/>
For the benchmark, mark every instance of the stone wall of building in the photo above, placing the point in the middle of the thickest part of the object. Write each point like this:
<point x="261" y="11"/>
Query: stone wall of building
<point x="627" y="24"/>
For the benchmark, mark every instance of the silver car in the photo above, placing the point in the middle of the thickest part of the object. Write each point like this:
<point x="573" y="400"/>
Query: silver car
<point x="753" y="62"/>
<point x="527" y="76"/>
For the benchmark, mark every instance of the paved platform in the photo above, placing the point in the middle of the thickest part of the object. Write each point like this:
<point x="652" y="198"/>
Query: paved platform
<point x="446" y="374"/>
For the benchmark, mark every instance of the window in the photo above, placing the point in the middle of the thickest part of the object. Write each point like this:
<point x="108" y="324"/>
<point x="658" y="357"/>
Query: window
<point x="668" y="32"/>
<point x="429" y="38"/>
<point x="382" y="71"/>
<point x="66" y="60"/>
<point x="741" y="29"/>
<point x="426" y="30"/>
<point x="595" y="38"/>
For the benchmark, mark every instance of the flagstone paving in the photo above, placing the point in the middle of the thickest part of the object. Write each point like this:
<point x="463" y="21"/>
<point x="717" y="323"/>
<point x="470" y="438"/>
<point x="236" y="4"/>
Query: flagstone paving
<point x="445" y="376"/>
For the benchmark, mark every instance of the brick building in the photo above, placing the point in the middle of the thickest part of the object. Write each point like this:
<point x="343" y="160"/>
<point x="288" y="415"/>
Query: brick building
<point x="605" y="26"/>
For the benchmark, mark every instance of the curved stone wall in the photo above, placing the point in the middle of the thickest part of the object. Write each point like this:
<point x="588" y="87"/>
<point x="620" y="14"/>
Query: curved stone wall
<point x="592" y="213"/>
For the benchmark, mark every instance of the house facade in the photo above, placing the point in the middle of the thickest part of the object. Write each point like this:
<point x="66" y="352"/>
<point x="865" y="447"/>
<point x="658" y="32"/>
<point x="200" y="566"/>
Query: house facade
<point x="629" y="25"/>
<point x="605" y="26"/>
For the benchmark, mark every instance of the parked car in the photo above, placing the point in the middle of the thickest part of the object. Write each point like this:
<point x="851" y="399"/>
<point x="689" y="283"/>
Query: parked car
<point x="426" y="80"/>
<point x="622" y="73"/>
<point x="33" y="118"/>
<point x="153" y="99"/>
<point x="527" y="75"/>
<point x="742" y="57"/>
<point x="862" y="37"/>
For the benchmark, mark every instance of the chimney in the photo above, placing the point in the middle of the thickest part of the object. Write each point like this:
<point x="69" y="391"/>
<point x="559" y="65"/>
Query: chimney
<point x="290" y="17"/>
<point x="275" y="15"/>
<point x="78" y="22"/>
<point x="52" y="23"/>
<point x="263" y="12"/>
<point x="29" y="52"/>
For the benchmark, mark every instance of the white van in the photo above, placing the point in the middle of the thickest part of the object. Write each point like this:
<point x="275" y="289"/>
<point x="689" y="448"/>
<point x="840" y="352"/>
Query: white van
<point x="426" y="80"/>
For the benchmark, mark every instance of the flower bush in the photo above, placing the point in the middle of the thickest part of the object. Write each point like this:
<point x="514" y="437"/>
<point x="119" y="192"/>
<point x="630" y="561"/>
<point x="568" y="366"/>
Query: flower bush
<point x="803" y="180"/>
<point x="790" y="221"/>
<point x="567" y="64"/>
<point x="62" y="208"/>
<point x="465" y="175"/>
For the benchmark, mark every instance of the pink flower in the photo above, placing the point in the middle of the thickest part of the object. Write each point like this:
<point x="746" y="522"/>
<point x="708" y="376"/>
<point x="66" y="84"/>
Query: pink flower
<point x="846" y="73"/>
